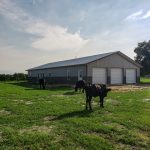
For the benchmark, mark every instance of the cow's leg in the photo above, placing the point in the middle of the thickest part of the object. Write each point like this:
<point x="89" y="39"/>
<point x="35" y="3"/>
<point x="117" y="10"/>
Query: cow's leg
<point x="101" y="101"/>
<point x="90" y="99"/>
<point x="82" y="90"/>
<point x="76" y="89"/>
<point x="43" y="86"/>
<point x="86" y="104"/>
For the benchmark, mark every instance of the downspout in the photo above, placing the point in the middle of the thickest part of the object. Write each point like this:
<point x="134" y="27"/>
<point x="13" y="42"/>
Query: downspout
<point x="86" y="73"/>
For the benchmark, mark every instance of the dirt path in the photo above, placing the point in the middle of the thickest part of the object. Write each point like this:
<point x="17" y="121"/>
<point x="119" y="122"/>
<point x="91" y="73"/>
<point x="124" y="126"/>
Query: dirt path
<point x="126" y="88"/>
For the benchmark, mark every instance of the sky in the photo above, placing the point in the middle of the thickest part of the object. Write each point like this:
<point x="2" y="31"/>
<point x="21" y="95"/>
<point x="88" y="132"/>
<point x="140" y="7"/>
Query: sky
<point x="35" y="32"/>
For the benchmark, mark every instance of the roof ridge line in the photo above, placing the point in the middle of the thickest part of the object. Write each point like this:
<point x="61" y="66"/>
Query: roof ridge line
<point x="75" y="59"/>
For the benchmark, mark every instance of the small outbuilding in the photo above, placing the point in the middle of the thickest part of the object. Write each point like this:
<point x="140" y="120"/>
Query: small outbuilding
<point x="107" y="68"/>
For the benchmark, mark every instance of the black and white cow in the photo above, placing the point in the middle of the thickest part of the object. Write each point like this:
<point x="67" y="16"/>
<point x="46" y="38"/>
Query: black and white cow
<point x="95" y="90"/>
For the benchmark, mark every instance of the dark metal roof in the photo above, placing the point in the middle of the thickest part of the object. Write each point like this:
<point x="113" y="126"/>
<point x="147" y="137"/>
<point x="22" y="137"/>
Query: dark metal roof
<point x="73" y="62"/>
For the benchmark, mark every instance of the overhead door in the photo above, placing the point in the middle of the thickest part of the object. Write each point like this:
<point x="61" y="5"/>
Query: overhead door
<point x="116" y="76"/>
<point x="130" y="76"/>
<point x="99" y="75"/>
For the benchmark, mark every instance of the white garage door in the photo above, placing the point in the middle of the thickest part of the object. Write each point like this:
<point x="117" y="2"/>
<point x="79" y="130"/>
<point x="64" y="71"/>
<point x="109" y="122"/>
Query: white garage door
<point x="130" y="76"/>
<point x="99" y="75"/>
<point x="116" y="76"/>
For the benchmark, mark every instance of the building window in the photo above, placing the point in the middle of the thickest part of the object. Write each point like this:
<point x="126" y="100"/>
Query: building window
<point x="42" y="75"/>
<point x="80" y="74"/>
<point x="68" y="74"/>
<point x="30" y="74"/>
<point x="38" y="75"/>
<point x="50" y="74"/>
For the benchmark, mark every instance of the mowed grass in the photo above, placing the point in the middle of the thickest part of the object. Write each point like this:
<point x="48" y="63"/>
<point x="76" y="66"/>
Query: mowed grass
<point x="145" y="79"/>
<point x="56" y="119"/>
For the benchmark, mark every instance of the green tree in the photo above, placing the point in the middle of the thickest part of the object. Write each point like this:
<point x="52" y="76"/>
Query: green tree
<point x="143" y="56"/>
<point x="15" y="76"/>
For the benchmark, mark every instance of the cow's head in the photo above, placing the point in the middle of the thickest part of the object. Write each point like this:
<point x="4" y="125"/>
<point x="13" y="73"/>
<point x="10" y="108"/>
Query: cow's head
<point x="104" y="90"/>
<point x="108" y="89"/>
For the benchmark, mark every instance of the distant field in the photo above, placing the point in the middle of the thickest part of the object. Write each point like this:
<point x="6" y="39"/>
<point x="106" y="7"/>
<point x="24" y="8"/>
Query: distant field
<point x="145" y="79"/>
<point x="56" y="119"/>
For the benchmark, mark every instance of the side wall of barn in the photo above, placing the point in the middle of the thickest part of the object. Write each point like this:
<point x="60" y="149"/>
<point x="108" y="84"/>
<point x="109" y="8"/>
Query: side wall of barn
<point x="60" y="75"/>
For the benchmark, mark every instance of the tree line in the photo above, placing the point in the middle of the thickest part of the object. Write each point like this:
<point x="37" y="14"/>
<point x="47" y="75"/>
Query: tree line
<point x="13" y="77"/>
<point x="143" y="56"/>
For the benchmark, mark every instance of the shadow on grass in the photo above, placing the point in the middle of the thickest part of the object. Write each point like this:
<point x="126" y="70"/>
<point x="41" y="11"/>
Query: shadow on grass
<point x="82" y="113"/>
<point x="35" y="86"/>
<point x="71" y="93"/>
<point x="26" y="85"/>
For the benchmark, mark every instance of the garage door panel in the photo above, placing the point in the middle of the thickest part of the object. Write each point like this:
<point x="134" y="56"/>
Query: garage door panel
<point x="130" y="75"/>
<point x="116" y="76"/>
<point x="99" y="75"/>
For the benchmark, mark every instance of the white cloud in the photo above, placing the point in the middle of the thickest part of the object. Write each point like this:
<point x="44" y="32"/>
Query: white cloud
<point x="147" y="15"/>
<point x="50" y="37"/>
<point x="135" y="15"/>
<point x="55" y="38"/>
<point x="138" y="15"/>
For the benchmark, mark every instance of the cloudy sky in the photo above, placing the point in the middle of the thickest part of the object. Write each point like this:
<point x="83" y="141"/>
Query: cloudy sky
<point x="34" y="32"/>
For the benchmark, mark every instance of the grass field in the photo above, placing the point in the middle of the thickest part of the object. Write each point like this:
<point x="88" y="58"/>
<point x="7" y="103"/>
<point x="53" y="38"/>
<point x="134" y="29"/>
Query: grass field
<point x="56" y="119"/>
<point x="145" y="79"/>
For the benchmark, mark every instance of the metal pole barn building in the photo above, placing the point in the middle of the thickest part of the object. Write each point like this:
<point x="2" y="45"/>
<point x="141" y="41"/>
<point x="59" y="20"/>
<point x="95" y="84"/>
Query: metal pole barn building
<point x="107" y="68"/>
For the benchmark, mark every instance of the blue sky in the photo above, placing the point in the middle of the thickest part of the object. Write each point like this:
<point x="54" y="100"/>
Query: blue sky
<point x="34" y="32"/>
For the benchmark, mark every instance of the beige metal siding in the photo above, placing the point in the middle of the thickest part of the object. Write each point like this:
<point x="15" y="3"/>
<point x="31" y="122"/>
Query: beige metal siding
<point x="112" y="61"/>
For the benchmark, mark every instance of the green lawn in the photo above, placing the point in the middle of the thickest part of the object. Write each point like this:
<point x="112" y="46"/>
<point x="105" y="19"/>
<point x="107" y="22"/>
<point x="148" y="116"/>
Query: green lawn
<point x="56" y="119"/>
<point x="145" y="79"/>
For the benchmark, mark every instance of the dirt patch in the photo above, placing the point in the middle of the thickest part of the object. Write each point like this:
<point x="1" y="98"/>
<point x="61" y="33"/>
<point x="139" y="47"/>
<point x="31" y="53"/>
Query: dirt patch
<point x="91" y="133"/>
<point x="28" y="103"/>
<point x="17" y="100"/>
<point x="108" y="113"/>
<point x="95" y="103"/>
<point x="127" y="88"/>
<point x="49" y="101"/>
<point x="1" y="139"/>
<point x="57" y="139"/>
<point x="143" y="136"/>
<point x="60" y="95"/>
<point x="113" y="102"/>
<point x="120" y="127"/>
<point x="146" y="100"/>
<point x="5" y="112"/>
<point x="41" y="99"/>
<point x="114" y="125"/>
<point x="40" y="129"/>
<point x="49" y="118"/>
<point x="122" y="146"/>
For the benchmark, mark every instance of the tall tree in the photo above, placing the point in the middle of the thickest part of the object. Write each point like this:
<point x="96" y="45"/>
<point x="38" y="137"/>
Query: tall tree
<point x="143" y="56"/>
